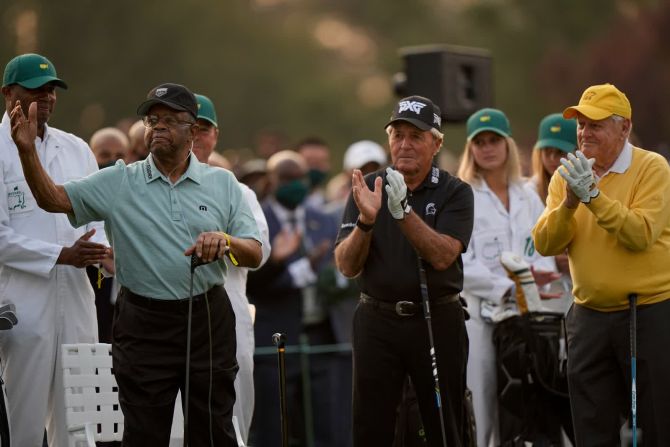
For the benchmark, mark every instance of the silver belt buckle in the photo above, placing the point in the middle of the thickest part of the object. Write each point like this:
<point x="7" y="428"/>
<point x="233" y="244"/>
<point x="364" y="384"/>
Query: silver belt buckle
<point x="399" y="308"/>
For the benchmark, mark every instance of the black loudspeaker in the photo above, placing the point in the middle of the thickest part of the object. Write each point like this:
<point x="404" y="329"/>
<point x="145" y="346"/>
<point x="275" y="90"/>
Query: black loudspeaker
<point x="457" y="79"/>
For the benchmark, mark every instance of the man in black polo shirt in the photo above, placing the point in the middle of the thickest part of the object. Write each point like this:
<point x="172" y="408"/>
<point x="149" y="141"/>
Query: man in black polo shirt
<point x="392" y="217"/>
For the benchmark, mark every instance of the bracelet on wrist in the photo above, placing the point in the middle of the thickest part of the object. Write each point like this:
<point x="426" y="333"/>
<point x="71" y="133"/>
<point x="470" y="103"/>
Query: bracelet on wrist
<point x="229" y="250"/>
<point x="366" y="228"/>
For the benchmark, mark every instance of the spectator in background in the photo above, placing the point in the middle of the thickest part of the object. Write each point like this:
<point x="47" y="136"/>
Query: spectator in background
<point x="316" y="153"/>
<point x="285" y="294"/>
<point x="218" y="160"/>
<point x="236" y="278"/>
<point x="138" y="149"/>
<point x="366" y="156"/>
<point x="556" y="138"/>
<point x="108" y="145"/>
<point x="254" y="174"/>
<point x="41" y="260"/>
<point x="505" y="212"/>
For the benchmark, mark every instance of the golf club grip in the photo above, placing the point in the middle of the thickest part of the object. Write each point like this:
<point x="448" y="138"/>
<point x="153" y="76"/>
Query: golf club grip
<point x="279" y="340"/>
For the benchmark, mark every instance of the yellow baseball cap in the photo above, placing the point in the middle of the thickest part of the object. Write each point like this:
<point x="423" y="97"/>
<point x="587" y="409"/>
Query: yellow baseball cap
<point x="599" y="102"/>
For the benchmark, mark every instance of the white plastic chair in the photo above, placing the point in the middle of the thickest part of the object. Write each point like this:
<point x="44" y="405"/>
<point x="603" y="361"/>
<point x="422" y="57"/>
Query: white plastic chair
<point x="92" y="410"/>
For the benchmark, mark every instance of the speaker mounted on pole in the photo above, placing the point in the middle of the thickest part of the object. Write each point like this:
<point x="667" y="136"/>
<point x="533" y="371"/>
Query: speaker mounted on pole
<point x="458" y="79"/>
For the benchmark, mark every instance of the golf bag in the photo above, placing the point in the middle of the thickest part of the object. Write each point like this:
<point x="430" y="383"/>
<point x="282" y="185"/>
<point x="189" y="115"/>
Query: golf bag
<point x="409" y="430"/>
<point x="531" y="364"/>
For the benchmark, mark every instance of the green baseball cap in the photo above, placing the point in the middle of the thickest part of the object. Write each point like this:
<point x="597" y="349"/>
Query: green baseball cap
<point x="206" y="109"/>
<point x="492" y="120"/>
<point x="31" y="71"/>
<point x="557" y="132"/>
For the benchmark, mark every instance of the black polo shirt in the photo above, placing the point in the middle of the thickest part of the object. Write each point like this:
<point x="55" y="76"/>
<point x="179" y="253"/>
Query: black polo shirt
<point x="391" y="270"/>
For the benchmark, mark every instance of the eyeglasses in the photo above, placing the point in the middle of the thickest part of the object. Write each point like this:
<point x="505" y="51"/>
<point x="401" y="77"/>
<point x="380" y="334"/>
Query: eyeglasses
<point x="152" y="121"/>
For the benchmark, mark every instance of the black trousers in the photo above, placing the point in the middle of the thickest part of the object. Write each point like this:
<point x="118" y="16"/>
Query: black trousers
<point x="149" y="360"/>
<point x="387" y="347"/>
<point x="599" y="374"/>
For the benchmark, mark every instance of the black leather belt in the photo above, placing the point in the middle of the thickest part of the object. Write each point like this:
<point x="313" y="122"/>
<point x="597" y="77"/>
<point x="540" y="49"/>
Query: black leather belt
<point x="155" y="303"/>
<point x="406" y="308"/>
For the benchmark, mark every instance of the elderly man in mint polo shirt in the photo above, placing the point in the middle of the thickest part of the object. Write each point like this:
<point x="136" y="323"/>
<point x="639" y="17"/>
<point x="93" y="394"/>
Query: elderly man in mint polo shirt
<point x="158" y="213"/>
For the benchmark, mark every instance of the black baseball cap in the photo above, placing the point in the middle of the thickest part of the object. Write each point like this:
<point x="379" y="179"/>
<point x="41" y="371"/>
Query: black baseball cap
<point x="419" y="111"/>
<point x="175" y="96"/>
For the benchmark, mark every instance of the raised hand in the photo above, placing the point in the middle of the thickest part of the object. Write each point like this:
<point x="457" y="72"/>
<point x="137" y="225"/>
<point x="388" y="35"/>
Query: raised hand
<point x="83" y="252"/>
<point x="368" y="202"/>
<point x="24" y="129"/>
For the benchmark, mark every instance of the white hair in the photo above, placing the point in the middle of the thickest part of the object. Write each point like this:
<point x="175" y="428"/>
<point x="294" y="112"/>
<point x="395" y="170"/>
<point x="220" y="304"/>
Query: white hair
<point x="433" y="131"/>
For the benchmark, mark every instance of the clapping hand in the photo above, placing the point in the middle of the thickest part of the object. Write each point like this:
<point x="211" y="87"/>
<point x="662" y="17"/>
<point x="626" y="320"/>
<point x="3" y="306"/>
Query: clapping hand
<point x="368" y="202"/>
<point x="578" y="174"/>
<point x="397" y="194"/>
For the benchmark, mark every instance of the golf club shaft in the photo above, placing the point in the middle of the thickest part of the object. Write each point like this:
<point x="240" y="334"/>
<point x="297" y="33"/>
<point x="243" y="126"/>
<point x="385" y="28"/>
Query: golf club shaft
<point x="431" y="341"/>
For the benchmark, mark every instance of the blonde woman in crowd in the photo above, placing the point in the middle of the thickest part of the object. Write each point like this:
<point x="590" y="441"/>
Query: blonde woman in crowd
<point x="556" y="138"/>
<point x="505" y="213"/>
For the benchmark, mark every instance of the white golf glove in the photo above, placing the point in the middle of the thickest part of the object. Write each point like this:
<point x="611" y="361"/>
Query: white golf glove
<point x="397" y="194"/>
<point x="577" y="172"/>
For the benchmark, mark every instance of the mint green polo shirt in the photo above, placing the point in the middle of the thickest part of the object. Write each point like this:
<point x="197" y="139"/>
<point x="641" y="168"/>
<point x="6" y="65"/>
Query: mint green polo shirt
<point x="151" y="222"/>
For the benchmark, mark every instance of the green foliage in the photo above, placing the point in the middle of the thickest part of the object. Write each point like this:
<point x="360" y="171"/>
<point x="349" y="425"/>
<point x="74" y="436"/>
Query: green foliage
<point x="264" y="67"/>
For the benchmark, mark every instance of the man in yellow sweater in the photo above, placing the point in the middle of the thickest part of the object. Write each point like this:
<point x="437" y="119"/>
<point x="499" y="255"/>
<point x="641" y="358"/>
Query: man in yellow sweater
<point x="610" y="207"/>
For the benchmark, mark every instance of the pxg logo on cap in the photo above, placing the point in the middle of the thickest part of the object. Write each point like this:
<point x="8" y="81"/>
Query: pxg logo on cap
<point x="418" y="111"/>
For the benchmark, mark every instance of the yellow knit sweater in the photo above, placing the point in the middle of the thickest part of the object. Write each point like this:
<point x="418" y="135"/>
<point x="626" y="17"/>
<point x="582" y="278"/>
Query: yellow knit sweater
<point x="620" y="242"/>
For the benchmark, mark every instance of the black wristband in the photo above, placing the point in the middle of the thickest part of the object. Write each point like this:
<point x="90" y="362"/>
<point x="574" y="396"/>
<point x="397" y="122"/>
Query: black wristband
<point x="364" y="227"/>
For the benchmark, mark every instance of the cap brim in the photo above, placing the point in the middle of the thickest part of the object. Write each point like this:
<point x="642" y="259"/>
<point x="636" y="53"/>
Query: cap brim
<point x="143" y="109"/>
<point x="417" y="123"/>
<point x="41" y="80"/>
<point x="209" y="120"/>
<point x="487" y="129"/>
<point x="555" y="143"/>
<point x="589" y="111"/>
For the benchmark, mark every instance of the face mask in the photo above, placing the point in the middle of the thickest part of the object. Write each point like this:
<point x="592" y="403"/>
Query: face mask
<point x="316" y="177"/>
<point x="106" y="165"/>
<point x="291" y="194"/>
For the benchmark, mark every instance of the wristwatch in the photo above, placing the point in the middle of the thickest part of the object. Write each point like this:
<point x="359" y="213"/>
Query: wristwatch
<point x="366" y="228"/>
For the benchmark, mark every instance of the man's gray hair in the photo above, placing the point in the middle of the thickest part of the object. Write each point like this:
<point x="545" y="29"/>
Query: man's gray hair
<point x="433" y="131"/>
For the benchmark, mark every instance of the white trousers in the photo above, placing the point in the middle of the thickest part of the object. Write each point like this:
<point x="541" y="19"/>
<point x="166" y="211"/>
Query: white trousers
<point x="481" y="375"/>
<point x="50" y="312"/>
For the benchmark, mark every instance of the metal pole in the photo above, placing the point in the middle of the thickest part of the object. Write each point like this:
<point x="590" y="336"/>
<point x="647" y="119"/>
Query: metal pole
<point x="280" y="341"/>
<point x="306" y="389"/>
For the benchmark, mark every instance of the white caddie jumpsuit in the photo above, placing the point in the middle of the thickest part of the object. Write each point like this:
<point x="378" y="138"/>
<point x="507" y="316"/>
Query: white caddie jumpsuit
<point x="495" y="230"/>
<point x="54" y="303"/>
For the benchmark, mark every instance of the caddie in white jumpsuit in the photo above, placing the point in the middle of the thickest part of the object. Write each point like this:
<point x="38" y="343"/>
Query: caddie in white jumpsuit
<point x="54" y="303"/>
<point x="498" y="227"/>
<point x="236" y="278"/>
